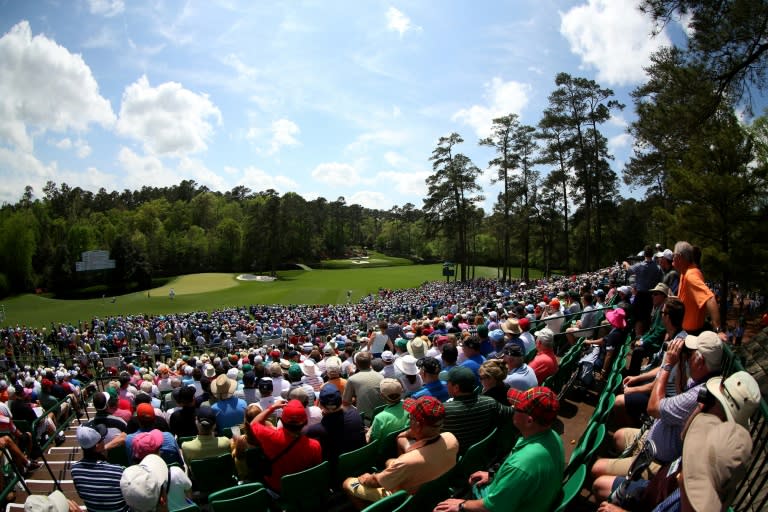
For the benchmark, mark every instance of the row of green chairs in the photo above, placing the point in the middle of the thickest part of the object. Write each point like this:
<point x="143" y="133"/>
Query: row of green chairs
<point x="594" y="434"/>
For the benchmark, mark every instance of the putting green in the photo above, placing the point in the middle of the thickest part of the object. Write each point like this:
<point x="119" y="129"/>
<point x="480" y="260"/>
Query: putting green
<point x="197" y="283"/>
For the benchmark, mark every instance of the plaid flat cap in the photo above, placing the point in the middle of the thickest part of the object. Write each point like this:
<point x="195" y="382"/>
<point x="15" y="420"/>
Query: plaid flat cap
<point x="425" y="409"/>
<point x="538" y="402"/>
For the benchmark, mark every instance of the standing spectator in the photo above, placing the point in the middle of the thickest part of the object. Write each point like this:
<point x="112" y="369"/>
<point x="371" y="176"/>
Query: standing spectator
<point x="362" y="389"/>
<point x="694" y="292"/>
<point x="671" y="276"/>
<point x="380" y="341"/>
<point x="647" y="275"/>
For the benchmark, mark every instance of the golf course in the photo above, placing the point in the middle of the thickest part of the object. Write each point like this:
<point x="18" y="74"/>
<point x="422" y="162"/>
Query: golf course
<point x="211" y="291"/>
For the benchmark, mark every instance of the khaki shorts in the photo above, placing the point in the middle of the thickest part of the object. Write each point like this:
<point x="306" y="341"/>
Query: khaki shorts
<point x="357" y="490"/>
<point x="620" y="467"/>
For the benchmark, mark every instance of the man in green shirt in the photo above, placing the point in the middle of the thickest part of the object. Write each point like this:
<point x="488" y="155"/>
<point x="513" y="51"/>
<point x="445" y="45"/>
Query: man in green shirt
<point x="393" y="417"/>
<point x="651" y="340"/>
<point x="530" y="477"/>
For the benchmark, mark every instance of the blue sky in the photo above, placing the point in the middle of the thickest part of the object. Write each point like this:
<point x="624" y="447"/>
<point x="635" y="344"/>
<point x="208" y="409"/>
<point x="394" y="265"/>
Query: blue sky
<point x="323" y="98"/>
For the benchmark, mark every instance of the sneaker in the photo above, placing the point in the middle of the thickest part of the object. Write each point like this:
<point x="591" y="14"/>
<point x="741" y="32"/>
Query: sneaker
<point x="31" y="467"/>
<point x="60" y="440"/>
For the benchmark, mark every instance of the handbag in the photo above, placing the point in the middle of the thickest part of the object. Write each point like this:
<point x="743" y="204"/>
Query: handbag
<point x="259" y="464"/>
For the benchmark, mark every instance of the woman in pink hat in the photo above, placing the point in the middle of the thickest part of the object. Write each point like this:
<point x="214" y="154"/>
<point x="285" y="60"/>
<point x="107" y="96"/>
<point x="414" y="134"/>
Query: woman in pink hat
<point x="596" y="363"/>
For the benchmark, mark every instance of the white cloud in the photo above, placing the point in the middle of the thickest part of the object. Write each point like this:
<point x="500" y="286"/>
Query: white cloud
<point x="238" y="65"/>
<point x="64" y="143"/>
<point x="335" y="173"/>
<point x="140" y="170"/>
<point x="18" y="169"/>
<point x="369" y="199"/>
<point x="258" y="179"/>
<point x="686" y="22"/>
<point x="283" y="131"/>
<point x="365" y="141"/>
<point x="83" y="148"/>
<point x="503" y="98"/>
<point x="623" y="140"/>
<point x="45" y="87"/>
<point x="167" y="119"/>
<point x="409" y="184"/>
<point x="399" y="22"/>
<point x="613" y="37"/>
<point x="107" y="8"/>
<point x="395" y="159"/>
<point x="104" y="38"/>
<point x="618" y="120"/>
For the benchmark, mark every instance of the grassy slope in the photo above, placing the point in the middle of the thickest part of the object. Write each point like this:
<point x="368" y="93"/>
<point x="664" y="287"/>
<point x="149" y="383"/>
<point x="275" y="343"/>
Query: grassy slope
<point x="213" y="291"/>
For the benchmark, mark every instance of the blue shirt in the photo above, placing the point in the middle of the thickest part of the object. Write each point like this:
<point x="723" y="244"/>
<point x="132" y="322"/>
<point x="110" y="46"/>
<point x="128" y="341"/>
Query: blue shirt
<point x="229" y="412"/>
<point x="98" y="485"/>
<point x="522" y="378"/>
<point x="437" y="389"/>
<point x="474" y="363"/>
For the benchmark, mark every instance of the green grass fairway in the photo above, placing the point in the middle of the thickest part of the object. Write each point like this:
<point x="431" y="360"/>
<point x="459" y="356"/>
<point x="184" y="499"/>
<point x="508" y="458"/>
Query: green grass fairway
<point x="207" y="292"/>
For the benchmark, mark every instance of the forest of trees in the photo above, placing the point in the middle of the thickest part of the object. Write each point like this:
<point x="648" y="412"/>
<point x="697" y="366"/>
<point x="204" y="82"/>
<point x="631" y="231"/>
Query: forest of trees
<point x="704" y="170"/>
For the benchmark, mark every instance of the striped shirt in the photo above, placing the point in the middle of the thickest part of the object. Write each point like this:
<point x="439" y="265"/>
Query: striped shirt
<point x="472" y="417"/>
<point x="98" y="484"/>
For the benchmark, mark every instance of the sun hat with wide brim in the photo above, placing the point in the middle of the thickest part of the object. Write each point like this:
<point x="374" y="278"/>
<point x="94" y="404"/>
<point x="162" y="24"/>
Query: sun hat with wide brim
<point x="223" y="387"/>
<point x="407" y="365"/>
<point x="617" y="318"/>
<point x="715" y="457"/>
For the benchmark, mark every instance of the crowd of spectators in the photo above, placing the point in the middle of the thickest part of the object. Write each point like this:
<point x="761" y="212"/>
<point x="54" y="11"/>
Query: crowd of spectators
<point x="443" y="365"/>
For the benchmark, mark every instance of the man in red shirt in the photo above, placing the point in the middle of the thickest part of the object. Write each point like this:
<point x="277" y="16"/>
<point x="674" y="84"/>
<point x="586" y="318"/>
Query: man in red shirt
<point x="545" y="362"/>
<point x="289" y="450"/>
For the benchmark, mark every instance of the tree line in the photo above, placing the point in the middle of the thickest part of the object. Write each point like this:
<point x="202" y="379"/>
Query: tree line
<point x="703" y="166"/>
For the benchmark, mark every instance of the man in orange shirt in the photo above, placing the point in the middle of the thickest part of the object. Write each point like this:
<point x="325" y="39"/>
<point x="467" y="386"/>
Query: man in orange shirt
<point x="694" y="292"/>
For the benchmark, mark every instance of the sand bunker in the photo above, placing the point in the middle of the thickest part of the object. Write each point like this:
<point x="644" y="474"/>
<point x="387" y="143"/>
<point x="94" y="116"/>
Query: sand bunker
<point x="252" y="277"/>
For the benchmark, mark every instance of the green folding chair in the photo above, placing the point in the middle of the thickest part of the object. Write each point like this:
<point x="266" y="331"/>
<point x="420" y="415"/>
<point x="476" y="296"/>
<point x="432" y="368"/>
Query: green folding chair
<point x="476" y="457"/>
<point x="433" y="492"/>
<point x="213" y="473"/>
<point x="256" y="501"/>
<point x="357" y="462"/>
<point x="306" y="490"/>
<point x="236" y="491"/>
<point x="572" y="487"/>
<point x="388" y="447"/>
